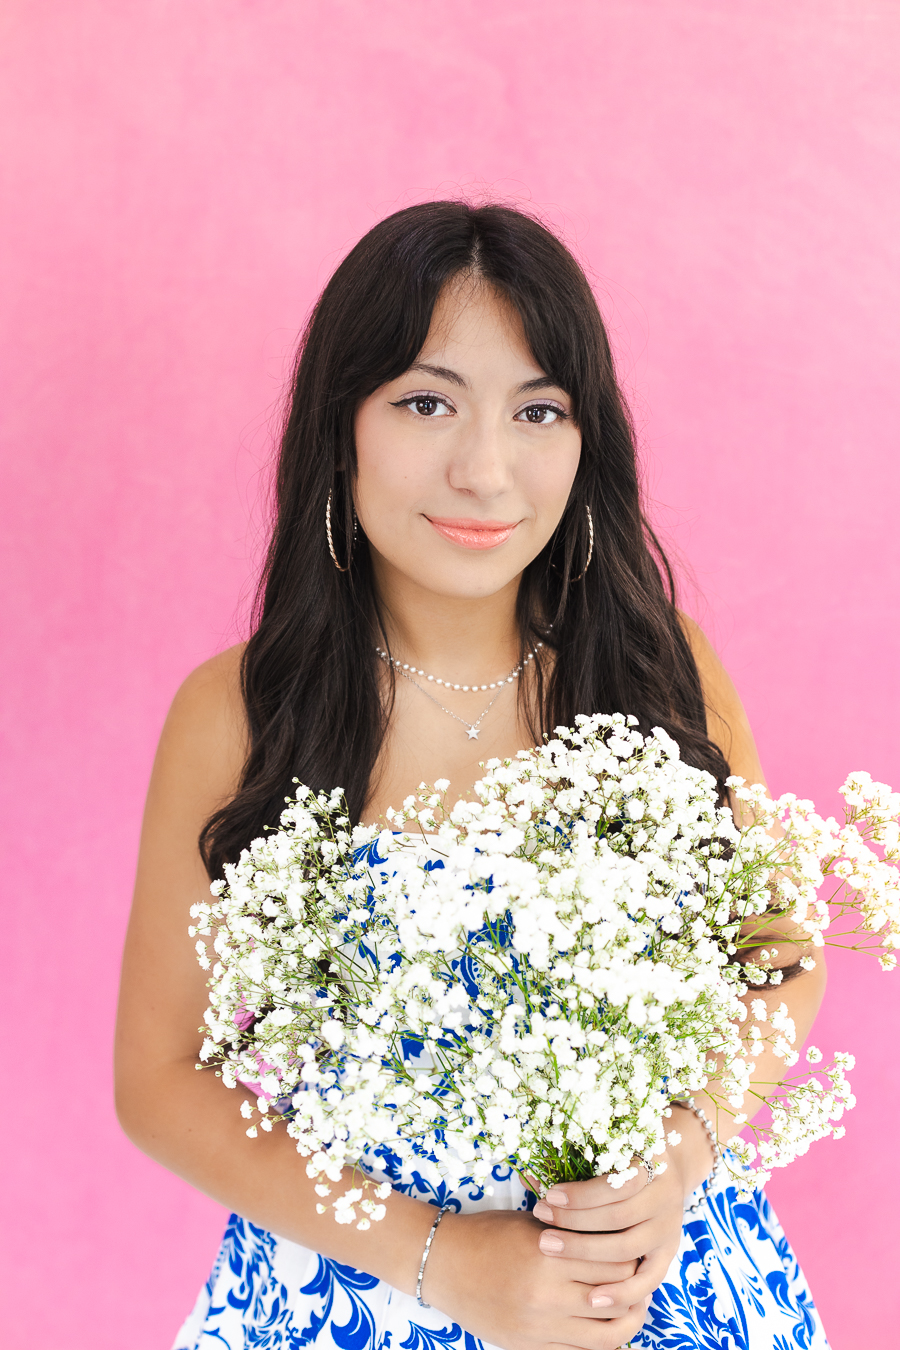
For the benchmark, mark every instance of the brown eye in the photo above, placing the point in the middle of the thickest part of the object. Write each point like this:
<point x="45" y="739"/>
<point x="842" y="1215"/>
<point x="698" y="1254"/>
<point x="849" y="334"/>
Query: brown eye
<point x="541" y="414"/>
<point x="425" y="405"/>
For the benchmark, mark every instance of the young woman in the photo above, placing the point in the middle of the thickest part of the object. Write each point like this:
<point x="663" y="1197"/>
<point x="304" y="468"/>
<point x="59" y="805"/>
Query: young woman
<point x="459" y="562"/>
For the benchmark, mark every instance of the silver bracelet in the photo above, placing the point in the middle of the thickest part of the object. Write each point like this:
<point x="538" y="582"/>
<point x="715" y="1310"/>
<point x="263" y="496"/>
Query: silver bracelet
<point x="419" y="1299"/>
<point x="713" y="1142"/>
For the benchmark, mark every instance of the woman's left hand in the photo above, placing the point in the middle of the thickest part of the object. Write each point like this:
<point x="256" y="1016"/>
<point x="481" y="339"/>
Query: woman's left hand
<point x="590" y="1221"/>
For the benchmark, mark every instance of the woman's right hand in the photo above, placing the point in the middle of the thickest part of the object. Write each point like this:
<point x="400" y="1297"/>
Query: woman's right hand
<point x="487" y="1272"/>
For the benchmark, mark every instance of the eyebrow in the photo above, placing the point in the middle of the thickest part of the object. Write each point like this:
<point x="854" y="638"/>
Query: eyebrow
<point x="452" y="377"/>
<point x="542" y="382"/>
<point x="441" y="373"/>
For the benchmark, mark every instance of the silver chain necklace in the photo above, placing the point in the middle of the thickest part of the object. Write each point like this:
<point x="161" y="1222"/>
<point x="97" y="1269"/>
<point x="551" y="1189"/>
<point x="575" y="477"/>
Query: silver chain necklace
<point x="472" y="728"/>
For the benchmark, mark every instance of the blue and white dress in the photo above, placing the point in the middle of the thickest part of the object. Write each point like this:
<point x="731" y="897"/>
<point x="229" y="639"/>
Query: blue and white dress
<point x="734" y="1285"/>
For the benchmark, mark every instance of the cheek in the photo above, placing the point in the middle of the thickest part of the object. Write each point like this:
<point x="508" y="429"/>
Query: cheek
<point x="550" y="478"/>
<point x="391" y="472"/>
<point x="388" y="482"/>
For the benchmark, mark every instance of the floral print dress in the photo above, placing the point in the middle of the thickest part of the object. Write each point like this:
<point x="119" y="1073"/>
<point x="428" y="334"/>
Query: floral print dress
<point x="734" y="1285"/>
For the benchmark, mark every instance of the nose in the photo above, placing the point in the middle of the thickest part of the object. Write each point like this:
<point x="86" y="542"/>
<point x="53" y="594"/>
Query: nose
<point x="481" y="459"/>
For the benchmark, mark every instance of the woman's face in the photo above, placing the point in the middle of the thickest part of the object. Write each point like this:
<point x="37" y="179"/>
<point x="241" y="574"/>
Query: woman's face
<point x="465" y="463"/>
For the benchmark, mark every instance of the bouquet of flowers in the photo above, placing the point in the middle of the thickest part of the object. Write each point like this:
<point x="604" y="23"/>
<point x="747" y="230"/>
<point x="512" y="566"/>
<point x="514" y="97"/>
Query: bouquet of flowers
<point x="532" y="976"/>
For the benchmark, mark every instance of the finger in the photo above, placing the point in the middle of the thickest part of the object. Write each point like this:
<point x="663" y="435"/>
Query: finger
<point x="618" y="1264"/>
<point x="572" y="1301"/>
<point x="635" y="1206"/>
<point x="602" y="1219"/>
<point x="596" y="1191"/>
<point x="640" y="1287"/>
<point x="589" y="1247"/>
<point x="611" y="1334"/>
<point x="631" y="1244"/>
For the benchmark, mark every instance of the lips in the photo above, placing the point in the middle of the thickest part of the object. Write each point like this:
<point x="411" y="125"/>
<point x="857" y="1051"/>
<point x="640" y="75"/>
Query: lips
<point x="473" y="533"/>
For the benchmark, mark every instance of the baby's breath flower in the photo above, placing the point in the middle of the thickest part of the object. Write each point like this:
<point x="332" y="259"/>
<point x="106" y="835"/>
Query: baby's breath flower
<point x="540" y="978"/>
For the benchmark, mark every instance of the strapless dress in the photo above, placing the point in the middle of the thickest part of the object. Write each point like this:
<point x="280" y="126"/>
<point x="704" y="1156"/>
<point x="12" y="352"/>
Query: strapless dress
<point x="734" y="1284"/>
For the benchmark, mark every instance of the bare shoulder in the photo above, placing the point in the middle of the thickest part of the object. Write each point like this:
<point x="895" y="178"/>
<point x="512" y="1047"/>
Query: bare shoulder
<point x="726" y="719"/>
<point x="213" y="690"/>
<point x="197" y="769"/>
<point x="204" y="741"/>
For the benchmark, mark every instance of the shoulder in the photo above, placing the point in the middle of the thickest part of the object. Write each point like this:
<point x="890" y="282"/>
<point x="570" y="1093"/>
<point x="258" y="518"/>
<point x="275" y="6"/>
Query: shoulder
<point x="204" y="740"/>
<point x="718" y="688"/>
<point x="727" y="723"/>
<point x="214" y="688"/>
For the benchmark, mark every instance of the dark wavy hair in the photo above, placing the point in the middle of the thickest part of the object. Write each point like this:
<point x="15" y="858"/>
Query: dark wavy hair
<point x="310" y="676"/>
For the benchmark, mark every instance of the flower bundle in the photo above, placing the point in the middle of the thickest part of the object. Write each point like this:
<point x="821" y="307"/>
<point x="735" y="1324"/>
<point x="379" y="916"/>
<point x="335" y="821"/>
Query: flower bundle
<point x="533" y="975"/>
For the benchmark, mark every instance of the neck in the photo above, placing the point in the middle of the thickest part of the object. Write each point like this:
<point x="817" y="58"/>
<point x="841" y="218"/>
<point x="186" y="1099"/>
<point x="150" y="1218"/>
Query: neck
<point x="461" y="639"/>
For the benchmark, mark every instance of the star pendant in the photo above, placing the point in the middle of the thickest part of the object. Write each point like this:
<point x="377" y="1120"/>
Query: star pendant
<point x="472" y="733"/>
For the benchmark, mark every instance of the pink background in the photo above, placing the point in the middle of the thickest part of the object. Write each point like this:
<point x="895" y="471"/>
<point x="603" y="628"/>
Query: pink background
<point x="180" y="179"/>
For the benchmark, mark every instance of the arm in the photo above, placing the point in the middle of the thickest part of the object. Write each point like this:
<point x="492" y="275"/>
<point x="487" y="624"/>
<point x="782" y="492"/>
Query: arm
<point x="188" y="1120"/>
<point x="803" y="992"/>
<point x="485" y="1270"/>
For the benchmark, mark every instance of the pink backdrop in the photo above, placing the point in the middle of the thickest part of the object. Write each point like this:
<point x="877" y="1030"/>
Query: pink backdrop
<point x="180" y="179"/>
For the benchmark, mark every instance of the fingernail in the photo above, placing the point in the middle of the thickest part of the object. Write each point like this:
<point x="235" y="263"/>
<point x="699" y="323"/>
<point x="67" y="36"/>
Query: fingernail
<point x="543" y="1212"/>
<point x="556" y="1197"/>
<point x="549" y="1242"/>
<point x="601" y="1301"/>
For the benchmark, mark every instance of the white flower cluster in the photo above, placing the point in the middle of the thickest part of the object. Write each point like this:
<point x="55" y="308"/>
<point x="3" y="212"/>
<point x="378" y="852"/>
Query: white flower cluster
<point x="530" y="976"/>
<point x="814" y="848"/>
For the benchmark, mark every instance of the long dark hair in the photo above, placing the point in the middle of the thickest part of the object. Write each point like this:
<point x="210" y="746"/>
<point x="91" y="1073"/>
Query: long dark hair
<point x="310" y="675"/>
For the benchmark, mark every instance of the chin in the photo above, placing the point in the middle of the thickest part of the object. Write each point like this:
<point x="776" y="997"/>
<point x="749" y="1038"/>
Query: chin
<point x="459" y="584"/>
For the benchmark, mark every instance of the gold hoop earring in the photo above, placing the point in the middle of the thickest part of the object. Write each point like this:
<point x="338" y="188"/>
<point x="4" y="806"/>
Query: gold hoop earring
<point x="331" y="540"/>
<point x="590" y="544"/>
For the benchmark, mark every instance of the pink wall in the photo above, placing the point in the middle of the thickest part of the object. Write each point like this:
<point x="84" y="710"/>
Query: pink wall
<point x="180" y="180"/>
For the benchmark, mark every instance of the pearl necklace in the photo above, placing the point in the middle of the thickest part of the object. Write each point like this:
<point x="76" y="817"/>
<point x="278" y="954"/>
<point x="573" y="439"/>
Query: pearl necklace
<point x="406" y="669"/>
<point x="472" y="728"/>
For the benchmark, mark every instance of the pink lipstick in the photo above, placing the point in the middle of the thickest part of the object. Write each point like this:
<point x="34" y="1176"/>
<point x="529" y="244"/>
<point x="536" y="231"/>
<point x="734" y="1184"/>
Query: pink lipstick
<point x="473" y="533"/>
